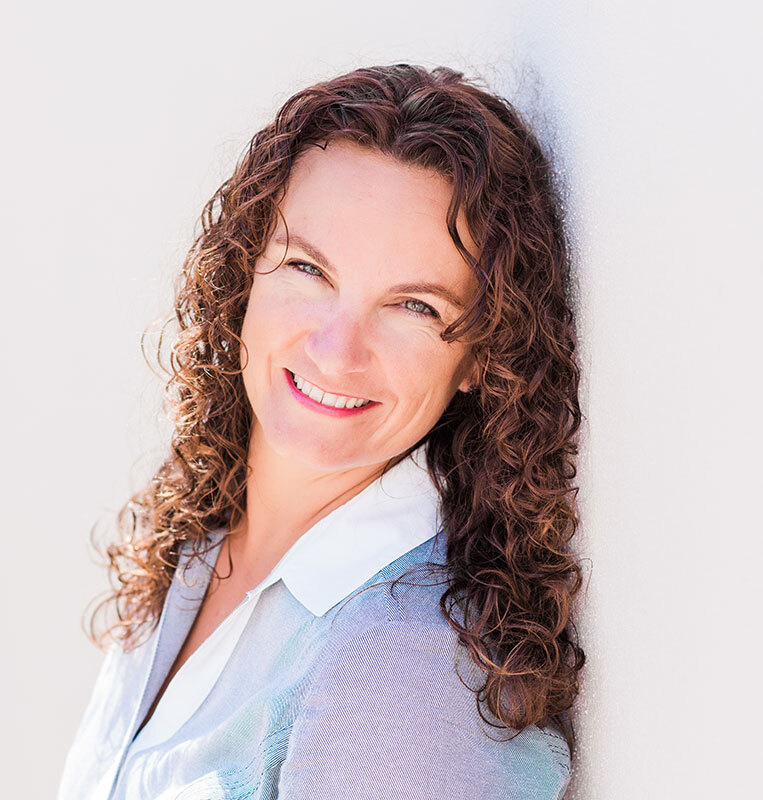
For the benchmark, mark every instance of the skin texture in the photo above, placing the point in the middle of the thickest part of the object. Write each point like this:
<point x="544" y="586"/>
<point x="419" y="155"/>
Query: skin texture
<point x="380" y="223"/>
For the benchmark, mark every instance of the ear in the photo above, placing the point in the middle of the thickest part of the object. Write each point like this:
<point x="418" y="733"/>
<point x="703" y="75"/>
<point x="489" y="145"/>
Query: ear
<point x="470" y="381"/>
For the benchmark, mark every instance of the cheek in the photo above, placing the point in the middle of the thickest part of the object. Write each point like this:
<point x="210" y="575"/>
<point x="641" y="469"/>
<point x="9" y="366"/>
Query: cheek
<point x="422" y="367"/>
<point x="272" y="313"/>
<point x="259" y="333"/>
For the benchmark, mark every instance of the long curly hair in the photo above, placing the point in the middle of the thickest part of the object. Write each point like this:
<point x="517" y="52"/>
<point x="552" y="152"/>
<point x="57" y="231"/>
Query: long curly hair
<point x="503" y="457"/>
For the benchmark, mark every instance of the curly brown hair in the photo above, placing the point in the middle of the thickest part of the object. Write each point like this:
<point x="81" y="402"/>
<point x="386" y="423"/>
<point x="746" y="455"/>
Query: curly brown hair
<point x="503" y="457"/>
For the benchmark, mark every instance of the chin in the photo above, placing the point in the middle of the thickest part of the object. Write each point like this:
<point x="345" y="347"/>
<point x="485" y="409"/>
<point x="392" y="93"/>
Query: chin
<point x="303" y="448"/>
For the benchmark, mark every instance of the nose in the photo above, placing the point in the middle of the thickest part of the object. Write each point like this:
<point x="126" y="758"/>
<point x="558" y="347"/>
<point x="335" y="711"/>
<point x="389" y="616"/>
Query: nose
<point x="338" y="344"/>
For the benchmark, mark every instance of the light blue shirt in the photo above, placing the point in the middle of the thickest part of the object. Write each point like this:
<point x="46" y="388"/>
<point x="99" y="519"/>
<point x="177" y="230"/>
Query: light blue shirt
<point x="334" y="687"/>
<point x="320" y="569"/>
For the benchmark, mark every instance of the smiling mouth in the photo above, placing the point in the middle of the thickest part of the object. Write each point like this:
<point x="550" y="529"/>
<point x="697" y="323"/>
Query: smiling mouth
<point x="326" y="398"/>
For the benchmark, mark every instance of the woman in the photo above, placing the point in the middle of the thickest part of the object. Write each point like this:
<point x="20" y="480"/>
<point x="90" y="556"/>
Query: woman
<point x="353" y="569"/>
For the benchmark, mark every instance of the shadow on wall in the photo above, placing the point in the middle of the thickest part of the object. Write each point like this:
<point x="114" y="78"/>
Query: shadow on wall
<point x="541" y="84"/>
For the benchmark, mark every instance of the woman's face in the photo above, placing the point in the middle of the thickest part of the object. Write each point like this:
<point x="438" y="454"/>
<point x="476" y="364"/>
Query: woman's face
<point x="354" y="311"/>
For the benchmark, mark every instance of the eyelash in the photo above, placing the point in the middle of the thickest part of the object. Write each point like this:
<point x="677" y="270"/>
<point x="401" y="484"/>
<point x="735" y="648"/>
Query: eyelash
<point x="431" y="312"/>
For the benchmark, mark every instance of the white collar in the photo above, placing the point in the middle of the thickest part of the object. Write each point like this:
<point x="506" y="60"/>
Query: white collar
<point x="388" y="518"/>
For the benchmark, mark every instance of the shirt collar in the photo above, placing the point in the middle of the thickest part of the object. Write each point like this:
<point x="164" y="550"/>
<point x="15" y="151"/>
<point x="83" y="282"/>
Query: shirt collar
<point x="388" y="518"/>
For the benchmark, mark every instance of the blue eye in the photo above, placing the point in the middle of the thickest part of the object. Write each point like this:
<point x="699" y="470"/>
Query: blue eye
<point x="427" y="311"/>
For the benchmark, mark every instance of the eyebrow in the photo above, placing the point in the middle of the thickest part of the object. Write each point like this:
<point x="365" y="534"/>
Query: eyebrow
<point x="419" y="287"/>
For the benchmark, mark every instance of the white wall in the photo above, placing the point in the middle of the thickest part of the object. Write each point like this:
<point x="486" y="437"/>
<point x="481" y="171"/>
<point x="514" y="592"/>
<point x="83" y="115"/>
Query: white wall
<point x="659" y="104"/>
<point x="121" y="122"/>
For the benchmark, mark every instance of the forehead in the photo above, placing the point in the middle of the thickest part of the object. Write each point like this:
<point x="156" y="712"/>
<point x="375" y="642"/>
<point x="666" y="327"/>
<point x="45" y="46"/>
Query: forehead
<point x="362" y="207"/>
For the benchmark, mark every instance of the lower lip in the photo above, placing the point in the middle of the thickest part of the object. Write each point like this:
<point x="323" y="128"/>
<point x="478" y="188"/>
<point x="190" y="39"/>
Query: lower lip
<point x="314" y="404"/>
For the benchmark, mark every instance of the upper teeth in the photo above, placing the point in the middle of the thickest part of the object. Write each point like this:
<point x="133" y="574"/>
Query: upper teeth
<point x="326" y="399"/>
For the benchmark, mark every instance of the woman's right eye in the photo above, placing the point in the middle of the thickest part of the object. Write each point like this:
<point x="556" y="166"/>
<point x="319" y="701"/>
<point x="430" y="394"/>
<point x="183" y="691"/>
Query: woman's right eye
<point x="297" y="265"/>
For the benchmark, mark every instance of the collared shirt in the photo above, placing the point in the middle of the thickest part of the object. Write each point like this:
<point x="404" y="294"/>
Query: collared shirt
<point x="395" y="514"/>
<point x="329" y="682"/>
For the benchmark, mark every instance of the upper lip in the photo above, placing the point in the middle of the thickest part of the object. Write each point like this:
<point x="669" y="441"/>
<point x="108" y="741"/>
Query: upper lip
<point x="327" y="391"/>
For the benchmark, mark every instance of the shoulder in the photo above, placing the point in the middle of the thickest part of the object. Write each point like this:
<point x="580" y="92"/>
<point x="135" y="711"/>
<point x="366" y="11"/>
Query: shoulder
<point x="392" y="710"/>
<point x="407" y="589"/>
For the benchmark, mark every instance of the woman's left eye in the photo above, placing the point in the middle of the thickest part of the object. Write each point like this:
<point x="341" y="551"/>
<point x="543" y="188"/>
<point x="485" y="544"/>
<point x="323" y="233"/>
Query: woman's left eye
<point x="423" y="309"/>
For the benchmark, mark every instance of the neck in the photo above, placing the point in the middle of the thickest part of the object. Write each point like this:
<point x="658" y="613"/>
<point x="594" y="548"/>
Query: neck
<point x="284" y="499"/>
